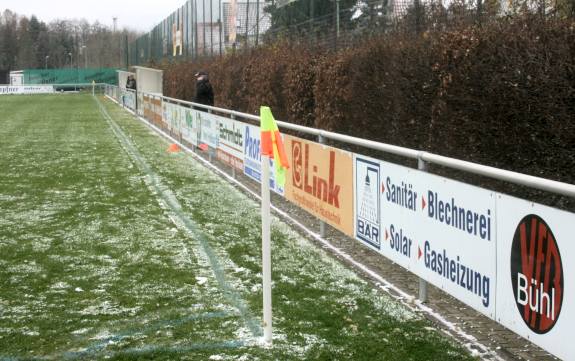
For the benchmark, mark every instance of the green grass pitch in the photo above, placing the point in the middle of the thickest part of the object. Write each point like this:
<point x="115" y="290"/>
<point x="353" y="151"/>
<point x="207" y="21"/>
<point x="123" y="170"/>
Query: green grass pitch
<point x="112" y="248"/>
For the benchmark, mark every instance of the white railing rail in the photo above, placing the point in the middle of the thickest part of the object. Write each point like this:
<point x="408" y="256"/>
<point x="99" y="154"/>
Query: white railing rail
<point x="544" y="184"/>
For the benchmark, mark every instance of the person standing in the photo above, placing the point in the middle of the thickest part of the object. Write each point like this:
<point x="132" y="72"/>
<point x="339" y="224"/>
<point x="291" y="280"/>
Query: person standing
<point x="204" y="91"/>
<point x="131" y="83"/>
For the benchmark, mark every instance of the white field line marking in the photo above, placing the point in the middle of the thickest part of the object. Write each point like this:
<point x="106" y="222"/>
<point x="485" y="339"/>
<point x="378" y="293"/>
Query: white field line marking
<point x="408" y="300"/>
<point x="169" y="200"/>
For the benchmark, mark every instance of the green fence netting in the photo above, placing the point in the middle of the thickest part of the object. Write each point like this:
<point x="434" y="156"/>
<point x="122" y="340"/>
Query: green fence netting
<point x="70" y="76"/>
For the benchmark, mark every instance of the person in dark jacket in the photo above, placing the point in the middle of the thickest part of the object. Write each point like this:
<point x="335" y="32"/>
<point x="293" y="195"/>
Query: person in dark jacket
<point x="131" y="83"/>
<point x="204" y="91"/>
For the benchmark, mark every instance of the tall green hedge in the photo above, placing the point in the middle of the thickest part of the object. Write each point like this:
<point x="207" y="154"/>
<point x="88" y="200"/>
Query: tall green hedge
<point x="500" y="94"/>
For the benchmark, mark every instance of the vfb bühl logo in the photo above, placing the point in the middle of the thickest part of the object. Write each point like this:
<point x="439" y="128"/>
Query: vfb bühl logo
<point x="536" y="274"/>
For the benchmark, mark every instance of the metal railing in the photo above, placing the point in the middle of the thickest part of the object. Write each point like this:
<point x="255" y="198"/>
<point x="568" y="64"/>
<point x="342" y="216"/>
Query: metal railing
<point x="424" y="159"/>
<point x="544" y="184"/>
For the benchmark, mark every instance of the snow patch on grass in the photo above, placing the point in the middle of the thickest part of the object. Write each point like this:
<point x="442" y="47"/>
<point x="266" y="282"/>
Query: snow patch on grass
<point x="108" y="308"/>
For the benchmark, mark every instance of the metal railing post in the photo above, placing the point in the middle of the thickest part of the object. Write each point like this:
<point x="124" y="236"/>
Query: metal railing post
<point x="422" y="166"/>
<point x="321" y="140"/>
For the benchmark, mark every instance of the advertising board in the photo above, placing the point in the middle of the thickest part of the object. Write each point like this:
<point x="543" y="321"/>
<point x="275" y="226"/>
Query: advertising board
<point x="440" y="229"/>
<point x="231" y="142"/>
<point x="26" y="89"/>
<point x="191" y="126"/>
<point x="535" y="290"/>
<point x="253" y="158"/>
<point x="320" y="180"/>
<point x="210" y="129"/>
<point x="128" y="99"/>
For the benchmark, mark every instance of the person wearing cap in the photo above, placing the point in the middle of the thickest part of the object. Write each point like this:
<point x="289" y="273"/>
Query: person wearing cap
<point x="131" y="82"/>
<point x="204" y="91"/>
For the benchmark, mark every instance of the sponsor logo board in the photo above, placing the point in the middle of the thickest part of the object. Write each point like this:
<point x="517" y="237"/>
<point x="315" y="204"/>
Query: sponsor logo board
<point x="253" y="158"/>
<point x="456" y="243"/>
<point x="128" y="99"/>
<point x="140" y="103"/>
<point x="191" y="126"/>
<point x="367" y="201"/>
<point x="441" y="230"/>
<point x="534" y="289"/>
<point x="231" y="142"/>
<point x="174" y="117"/>
<point x="153" y="110"/>
<point x="209" y="125"/>
<point x="320" y="180"/>
<point x="26" y="89"/>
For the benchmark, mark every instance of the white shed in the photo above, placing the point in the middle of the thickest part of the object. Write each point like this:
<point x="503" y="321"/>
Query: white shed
<point x="17" y="77"/>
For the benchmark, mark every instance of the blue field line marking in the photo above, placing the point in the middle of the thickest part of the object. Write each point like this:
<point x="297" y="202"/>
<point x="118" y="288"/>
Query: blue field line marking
<point x="101" y="344"/>
<point x="134" y="351"/>
<point x="184" y="348"/>
<point x="167" y="196"/>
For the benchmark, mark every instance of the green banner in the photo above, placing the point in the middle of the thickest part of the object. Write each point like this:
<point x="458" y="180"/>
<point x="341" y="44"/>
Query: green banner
<point x="70" y="76"/>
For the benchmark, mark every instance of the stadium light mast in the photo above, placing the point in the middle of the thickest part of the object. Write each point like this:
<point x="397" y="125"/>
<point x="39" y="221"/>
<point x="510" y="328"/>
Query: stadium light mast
<point x="115" y="21"/>
<point x="337" y="18"/>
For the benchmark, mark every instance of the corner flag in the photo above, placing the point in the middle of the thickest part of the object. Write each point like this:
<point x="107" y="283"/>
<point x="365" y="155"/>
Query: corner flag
<point x="272" y="144"/>
<point x="271" y="147"/>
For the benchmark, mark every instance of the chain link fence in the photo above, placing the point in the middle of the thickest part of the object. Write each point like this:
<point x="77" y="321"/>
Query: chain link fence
<point x="204" y="28"/>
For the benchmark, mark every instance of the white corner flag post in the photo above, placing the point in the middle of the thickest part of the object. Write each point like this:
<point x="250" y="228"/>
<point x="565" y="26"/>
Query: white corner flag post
<point x="266" y="250"/>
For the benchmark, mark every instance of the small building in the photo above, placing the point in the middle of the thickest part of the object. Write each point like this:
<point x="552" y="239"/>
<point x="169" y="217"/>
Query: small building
<point x="123" y="77"/>
<point x="149" y="80"/>
<point x="17" y="77"/>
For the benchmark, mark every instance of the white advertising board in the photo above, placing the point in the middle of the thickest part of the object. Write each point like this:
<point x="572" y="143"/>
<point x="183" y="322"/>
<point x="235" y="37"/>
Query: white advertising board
<point x="167" y="114"/>
<point x="191" y="127"/>
<point x="179" y="118"/>
<point x="253" y="158"/>
<point x="231" y="143"/>
<point x="209" y="129"/>
<point x="174" y="116"/>
<point x="457" y="242"/>
<point x="440" y="229"/>
<point x="128" y="99"/>
<point x="140" y="103"/>
<point x="535" y="291"/>
<point x="26" y="89"/>
<point x="367" y="201"/>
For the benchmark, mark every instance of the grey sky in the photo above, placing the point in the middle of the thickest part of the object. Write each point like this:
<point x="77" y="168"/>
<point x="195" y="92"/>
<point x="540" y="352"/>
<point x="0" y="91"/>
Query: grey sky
<point x="140" y="15"/>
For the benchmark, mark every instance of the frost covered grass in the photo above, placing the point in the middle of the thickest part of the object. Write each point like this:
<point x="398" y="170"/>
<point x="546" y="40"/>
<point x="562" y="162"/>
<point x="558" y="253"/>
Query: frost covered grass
<point x="112" y="248"/>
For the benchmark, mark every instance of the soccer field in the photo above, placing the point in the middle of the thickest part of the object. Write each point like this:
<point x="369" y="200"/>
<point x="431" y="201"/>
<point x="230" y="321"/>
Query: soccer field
<point x="113" y="248"/>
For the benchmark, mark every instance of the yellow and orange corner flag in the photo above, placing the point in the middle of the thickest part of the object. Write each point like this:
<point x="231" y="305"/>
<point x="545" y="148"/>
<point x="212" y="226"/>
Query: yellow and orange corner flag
<point x="272" y="144"/>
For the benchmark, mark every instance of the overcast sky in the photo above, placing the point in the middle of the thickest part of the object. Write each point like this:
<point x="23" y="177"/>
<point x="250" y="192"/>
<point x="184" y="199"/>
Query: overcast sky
<point x="135" y="14"/>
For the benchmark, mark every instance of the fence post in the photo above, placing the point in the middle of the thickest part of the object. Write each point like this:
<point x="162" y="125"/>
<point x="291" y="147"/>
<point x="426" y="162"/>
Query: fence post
<point x="479" y="11"/>
<point x="337" y="18"/>
<point x="422" y="166"/>
<point x="321" y="140"/>
<point x="418" y="15"/>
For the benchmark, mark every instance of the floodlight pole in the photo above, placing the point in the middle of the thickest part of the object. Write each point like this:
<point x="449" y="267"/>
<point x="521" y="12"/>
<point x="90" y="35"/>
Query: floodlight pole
<point x="266" y="250"/>
<point x="337" y="17"/>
